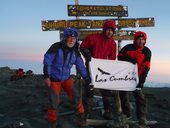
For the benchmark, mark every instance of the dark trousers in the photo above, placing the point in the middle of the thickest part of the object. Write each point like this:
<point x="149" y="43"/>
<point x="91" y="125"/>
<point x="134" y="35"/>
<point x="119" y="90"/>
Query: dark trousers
<point x="139" y="100"/>
<point x="106" y="95"/>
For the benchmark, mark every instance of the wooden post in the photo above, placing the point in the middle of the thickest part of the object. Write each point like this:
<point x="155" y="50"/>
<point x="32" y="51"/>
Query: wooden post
<point x="77" y="3"/>
<point x="119" y="41"/>
<point x="117" y="98"/>
<point x="77" y="17"/>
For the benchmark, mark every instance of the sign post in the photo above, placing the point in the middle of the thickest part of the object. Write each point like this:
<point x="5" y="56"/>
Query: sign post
<point x="88" y="26"/>
<point x="119" y="35"/>
<point x="96" y="10"/>
<point x="53" y="25"/>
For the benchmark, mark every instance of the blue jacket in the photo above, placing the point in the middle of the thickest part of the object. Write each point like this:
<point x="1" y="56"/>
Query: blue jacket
<point x="58" y="61"/>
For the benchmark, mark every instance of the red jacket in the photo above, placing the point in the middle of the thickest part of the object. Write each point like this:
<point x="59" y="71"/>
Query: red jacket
<point x="100" y="46"/>
<point x="142" y="56"/>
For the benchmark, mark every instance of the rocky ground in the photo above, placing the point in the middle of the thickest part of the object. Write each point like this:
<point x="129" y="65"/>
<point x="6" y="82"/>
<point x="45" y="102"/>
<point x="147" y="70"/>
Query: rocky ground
<point x="25" y="101"/>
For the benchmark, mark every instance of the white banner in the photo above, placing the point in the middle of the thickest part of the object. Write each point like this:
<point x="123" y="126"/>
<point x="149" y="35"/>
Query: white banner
<point x="113" y="75"/>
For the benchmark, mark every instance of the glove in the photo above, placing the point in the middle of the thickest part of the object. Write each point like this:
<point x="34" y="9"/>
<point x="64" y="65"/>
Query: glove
<point x="88" y="57"/>
<point x="140" y="85"/>
<point x="133" y="60"/>
<point x="129" y="59"/>
<point x="86" y="53"/>
<point x="89" y="88"/>
<point x="87" y="80"/>
<point x="142" y="78"/>
<point x="47" y="81"/>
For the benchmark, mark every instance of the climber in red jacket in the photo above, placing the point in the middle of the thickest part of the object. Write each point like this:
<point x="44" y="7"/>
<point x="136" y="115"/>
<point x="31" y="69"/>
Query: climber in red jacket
<point x="100" y="46"/>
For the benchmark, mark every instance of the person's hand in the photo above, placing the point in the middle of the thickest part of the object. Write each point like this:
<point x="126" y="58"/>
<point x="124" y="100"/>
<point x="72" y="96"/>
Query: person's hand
<point x="88" y="56"/>
<point x="87" y="80"/>
<point x="140" y="85"/>
<point x="47" y="81"/>
<point x="133" y="60"/>
<point x="86" y="53"/>
<point x="90" y="90"/>
<point x="142" y="79"/>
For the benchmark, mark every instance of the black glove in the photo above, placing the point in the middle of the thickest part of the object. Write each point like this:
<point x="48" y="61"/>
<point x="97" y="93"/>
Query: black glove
<point x="142" y="78"/>
<point x="89" y="88"/>
<point x="87" y="80"/>
<point x="129" y="59"/>
<point x="140" y="85"/>
<point x="86" y="53"/>
<point x="88" y="57"/>
<point x="132" y="60"/>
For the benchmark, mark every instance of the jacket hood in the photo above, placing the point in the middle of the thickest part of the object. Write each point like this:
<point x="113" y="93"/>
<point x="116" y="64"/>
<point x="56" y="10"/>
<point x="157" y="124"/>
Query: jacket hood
<point x="71" y="32"/>
<point x="139" y="34"/>
<point x="109" y="24"/>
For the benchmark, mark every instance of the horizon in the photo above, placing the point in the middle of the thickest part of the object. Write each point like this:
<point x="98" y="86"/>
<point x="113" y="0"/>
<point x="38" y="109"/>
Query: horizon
<point x="23" y="43"/>
<point x="37" y="66"/>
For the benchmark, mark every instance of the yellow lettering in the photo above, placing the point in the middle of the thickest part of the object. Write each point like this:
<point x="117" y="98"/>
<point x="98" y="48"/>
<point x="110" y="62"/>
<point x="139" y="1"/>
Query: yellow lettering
<point x="97" y="24"/>
<point x="145" y="22"/>
<point x="81" y="24"/>
<point x="73" y="24"/>
<point x="126" y="23"/>
<point x="93" y="13"/>
<point x="125" y="37"/>
<point x="55" y="25"/>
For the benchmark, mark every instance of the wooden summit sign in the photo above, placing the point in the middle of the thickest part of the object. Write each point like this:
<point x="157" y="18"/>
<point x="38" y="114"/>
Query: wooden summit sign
<point x="94" y="10"/>
<point x="52" y="25"/>
<point x="119" y="35"/>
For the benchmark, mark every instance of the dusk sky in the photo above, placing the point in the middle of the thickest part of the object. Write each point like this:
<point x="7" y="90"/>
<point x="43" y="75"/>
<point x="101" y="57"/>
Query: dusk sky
<point x="23" y="43"/>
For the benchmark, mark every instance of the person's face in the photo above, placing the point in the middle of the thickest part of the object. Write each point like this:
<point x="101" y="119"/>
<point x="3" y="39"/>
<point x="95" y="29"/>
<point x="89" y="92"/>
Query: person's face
<point x="140" y="42"/>
<point x="109" y="33"/>
<point x="71" y="40"/>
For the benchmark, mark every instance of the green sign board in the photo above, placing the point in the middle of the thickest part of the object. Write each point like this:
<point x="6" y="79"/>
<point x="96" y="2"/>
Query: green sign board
<point x="119" y="35"/>
<point x="96" y="10"/>
<point x="52" y="25"/>
<point x="136" y="22"/>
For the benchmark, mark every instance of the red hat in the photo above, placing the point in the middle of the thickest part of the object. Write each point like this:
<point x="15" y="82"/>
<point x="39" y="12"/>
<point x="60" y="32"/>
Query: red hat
<point x="109" y="24"/>
<point x="140" y="34"/>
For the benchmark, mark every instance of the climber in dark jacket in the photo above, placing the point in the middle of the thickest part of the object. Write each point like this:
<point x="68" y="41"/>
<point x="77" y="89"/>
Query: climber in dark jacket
<point x="58" y="61"/>
<point x="136" y="53"/>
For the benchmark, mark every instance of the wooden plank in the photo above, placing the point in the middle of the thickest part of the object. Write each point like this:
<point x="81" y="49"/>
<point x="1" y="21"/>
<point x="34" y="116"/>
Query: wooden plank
<point x="53" y="25"/>
<point x="97" y="10"/>
<point x="119" y="35"/>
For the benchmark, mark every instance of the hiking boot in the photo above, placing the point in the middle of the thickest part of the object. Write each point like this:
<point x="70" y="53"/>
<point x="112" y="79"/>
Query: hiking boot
<point x="108" y="115"/>
<point x="52" y="125"/>
<point x="82" y="120"/>
<point x="142" y="121"/>
<point x="127" y="118"/>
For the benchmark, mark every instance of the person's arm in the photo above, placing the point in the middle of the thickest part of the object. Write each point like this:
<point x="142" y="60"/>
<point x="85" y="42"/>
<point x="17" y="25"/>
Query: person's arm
<point x="48" y="59"/>
<point x="47" y="81"/>
<point x="145" y="67"/>
<point x="85" y="48"/>
<point x="81" y="67"/>
<point x="112" y="54"/>
<point x="83" y="72"/>
<point x="123" y="57"/>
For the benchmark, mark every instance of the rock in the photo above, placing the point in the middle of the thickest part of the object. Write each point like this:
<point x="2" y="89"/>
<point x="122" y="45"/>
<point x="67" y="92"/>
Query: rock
<point x="26" y="101"/>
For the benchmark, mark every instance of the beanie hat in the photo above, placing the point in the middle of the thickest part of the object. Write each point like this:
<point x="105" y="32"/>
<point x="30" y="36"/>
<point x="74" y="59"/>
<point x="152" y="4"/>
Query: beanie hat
<point x="109" y="24"/>
<point x="70" y="32"/>
<point x="140" y="34"/>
